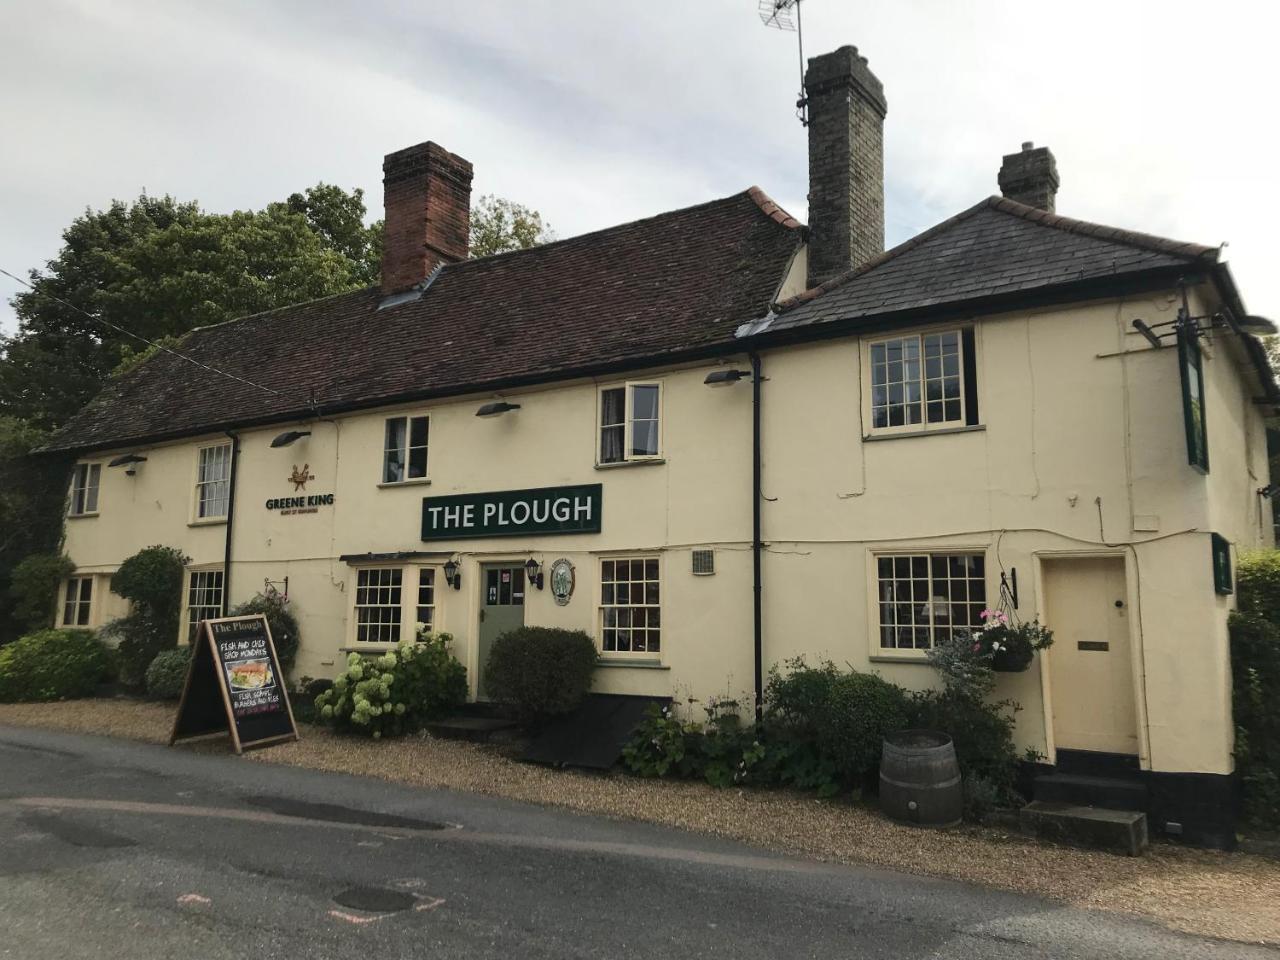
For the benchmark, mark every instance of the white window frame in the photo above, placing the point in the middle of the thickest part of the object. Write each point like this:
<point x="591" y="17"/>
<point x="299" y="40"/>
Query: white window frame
<point x="628" y="423"/>
<point x="77" y="603"/>
<point x="86" y="490"/>
<point x="207" y="609"/>
<point x="868" y="393"/>
<point x="874" y="556"/>
<point x="412" y="577"/>
<point x="198" y="500"/>
<point x="602" y="607"/>
<point x="408" y="419"/>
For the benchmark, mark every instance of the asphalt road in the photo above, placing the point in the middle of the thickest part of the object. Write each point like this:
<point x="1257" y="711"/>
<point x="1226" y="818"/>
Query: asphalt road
<point x="113" y="849"/>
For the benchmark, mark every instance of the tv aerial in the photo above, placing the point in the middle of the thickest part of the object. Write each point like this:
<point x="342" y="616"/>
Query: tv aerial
<point x="785" y="15"/>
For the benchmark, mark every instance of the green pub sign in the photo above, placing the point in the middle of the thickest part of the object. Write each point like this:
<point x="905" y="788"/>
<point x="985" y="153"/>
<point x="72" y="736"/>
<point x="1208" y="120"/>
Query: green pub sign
<point x="511" y="513"/>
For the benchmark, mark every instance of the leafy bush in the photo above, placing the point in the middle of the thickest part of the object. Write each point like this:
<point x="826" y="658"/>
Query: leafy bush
<point x="152" y="579"/>
<point x="982" y="732"/>
<point x="722" y="751"/>
<point x="138" y="640"/>
<point x="34" y="585"/>
<point x="395" y="692"/>
<point x="824" y="728"/>
<point x="282" y="623"/>
<point x="965" y="667"/>
<point x="167" y="673"/>
<point x="540" y="671"/>
<point x="1258" y="585"/>
<point x="52" y="665"/>
<point x="981" y="799"/>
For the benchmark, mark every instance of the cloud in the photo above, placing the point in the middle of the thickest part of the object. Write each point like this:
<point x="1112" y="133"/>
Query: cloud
<point x="600" y="113"/>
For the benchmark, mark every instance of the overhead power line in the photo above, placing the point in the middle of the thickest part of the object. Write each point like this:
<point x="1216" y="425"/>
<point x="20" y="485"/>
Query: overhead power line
<point x="137" y="336"/>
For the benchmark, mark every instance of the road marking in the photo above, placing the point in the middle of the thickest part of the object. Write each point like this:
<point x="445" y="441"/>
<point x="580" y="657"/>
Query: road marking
<point x="193" y="898"/>
<point x="428" y="903"/>
<point x="352" y="918"/>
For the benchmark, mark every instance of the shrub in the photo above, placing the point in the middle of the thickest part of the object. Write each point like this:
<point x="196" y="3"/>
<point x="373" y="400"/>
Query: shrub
<point x="982" y="732"/>
<point x="540" y="671"/>
<point x="721" y="751"/>
<point x="1255" y="702"/>
<point x="282" y="623"/>
<point x="1258" y="585"/>
<point x="138" y="639"/>
<point x="981" y="799"/>
<point x="824" y="728"/>
<point x="965" y="667"/>
<point x="152" y="579"/>
<point x="34" y="585"/>
<point x="52" y="665"/>
<point x="395" y="692"/>
<point x="167" y="673"/>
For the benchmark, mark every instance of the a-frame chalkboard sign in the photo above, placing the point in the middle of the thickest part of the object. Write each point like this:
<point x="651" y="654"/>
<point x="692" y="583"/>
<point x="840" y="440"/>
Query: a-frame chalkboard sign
<point x="235" y="684"/>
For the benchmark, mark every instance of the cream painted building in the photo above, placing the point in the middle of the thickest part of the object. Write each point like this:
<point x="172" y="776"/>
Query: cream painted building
<point x="717" y="439"/>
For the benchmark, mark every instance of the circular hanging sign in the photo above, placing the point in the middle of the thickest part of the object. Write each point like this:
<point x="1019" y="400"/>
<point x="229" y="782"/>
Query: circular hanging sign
<point x="562" y="581"/>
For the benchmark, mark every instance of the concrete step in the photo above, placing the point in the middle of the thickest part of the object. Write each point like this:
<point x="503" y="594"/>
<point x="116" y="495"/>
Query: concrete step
<point x="1121" y="831"/>
<point x="475" y="729"/>
<point x="1113" y="793"/>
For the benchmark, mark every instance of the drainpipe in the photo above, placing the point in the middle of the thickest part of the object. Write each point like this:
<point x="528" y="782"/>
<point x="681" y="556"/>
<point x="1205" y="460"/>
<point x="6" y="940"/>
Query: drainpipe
<point x="231" y="516"/>
<point x="757" y="547"/>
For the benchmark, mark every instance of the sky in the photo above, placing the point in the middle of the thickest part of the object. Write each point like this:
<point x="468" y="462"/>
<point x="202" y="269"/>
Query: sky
<point x="1161" y="116"/>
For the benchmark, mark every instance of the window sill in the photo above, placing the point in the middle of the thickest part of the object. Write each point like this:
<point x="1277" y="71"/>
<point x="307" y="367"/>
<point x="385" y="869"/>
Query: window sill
<point x="920" y="657"/>
<point x="207" y="522"/>
<point x="635" y="664"/>
<point x="81" y="516"/>
<point x="379" y="647"/>
<point x="646" y="462"/>
<point x="414" y="482"/>
<point x="937" y="432"/>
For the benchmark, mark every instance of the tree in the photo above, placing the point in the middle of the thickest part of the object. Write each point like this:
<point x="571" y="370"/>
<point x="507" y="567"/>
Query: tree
<point x="499" y="225"/>
<point x="158" y="267"/>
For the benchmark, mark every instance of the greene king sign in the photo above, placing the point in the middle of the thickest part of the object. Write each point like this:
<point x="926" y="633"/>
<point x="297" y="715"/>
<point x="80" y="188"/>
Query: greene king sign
<point x="511" y="513"/>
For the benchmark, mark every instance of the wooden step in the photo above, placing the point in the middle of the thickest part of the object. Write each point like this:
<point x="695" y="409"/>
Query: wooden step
<point x="475" y="729"/>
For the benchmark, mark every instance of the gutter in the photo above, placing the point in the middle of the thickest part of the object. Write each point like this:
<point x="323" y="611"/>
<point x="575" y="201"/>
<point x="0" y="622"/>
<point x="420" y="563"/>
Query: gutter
<point x="231" y="516"/>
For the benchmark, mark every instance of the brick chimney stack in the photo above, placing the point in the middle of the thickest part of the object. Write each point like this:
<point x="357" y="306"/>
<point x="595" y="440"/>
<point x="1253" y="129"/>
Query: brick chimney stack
<point x="426" y="194"/>
<point x="846" y="163"/>
<point x="1030" y="177"/>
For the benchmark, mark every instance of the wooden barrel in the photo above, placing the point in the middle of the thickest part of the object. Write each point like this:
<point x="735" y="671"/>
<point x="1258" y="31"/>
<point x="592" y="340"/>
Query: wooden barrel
<point x="920" y="779"/>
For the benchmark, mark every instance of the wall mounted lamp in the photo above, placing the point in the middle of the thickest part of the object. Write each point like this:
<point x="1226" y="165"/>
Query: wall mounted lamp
<point x="289" y="436"/>
<point x="533" y="572"/>
<point x="452" y="574"/>
<point x="726" y="378"/>
<point x="130" y="460"/>
<point x="497" y="408"/>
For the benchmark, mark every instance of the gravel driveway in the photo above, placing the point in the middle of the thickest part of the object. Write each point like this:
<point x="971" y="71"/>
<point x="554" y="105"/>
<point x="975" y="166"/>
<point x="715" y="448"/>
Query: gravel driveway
<point x="1233" y="896"/>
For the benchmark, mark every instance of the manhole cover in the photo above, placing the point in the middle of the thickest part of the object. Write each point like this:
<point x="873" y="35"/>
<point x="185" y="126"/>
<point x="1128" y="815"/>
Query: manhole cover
<point x="375" y="899"/>
<point x="76" y="833"/>
<point x="337" y="814"/>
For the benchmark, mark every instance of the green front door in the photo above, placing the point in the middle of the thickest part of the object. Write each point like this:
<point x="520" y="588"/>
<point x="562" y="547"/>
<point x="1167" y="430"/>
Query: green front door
<point x="501" y="608"/>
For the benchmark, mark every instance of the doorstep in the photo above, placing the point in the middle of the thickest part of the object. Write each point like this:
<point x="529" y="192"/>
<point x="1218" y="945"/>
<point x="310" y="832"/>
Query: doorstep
<point x="474" y="729"/>
<point x="1121" y="831"/>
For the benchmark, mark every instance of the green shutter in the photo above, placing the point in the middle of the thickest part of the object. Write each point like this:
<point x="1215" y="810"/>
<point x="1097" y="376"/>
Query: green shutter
<point x="1222" y="581"/>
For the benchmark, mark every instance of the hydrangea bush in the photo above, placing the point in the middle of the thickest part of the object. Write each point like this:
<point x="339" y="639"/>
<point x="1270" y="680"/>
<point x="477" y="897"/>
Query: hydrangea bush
<point x="396" y="692"/>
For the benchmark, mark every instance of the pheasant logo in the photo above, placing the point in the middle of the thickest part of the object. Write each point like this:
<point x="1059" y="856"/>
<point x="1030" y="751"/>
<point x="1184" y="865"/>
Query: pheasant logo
<point x="299" y="478"/>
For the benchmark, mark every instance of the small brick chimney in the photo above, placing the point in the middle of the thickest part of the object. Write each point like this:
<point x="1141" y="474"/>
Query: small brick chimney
<point x="846" y="163"/>
<point x="426" y="194"/>
<point x="1030" y="176"/>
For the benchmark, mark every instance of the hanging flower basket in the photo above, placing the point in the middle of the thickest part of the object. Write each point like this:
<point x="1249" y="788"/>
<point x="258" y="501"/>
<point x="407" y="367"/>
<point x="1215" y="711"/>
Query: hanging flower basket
<point x="1011" y="647"/>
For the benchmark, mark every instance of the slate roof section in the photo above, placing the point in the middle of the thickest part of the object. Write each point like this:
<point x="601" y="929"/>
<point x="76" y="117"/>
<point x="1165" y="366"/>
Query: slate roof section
<point x="663" y="287"/>
<point x="998" y="247"/>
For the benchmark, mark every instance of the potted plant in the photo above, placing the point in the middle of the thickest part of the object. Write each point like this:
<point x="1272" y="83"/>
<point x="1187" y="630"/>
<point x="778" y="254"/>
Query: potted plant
<point x="1010" y="646"/>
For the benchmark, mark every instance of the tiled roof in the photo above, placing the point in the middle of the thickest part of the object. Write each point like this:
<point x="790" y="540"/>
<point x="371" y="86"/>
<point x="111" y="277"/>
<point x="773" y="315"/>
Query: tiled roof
<point x="662" y="287"/>
<point x="997" y="247"/>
